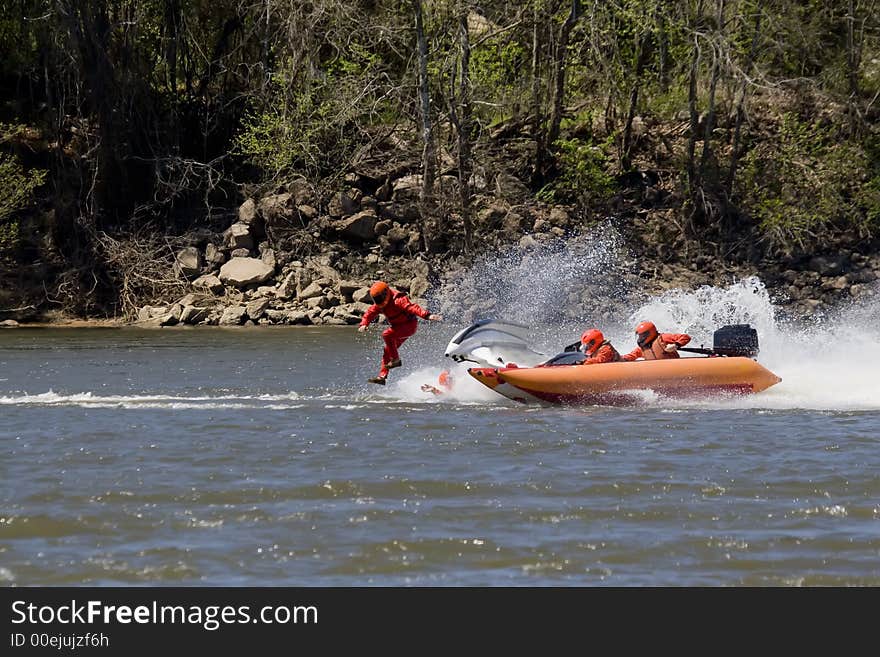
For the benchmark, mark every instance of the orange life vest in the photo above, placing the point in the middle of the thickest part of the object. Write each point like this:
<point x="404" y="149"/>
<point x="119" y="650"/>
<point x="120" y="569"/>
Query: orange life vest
<point x="657" y="351"/>
<point x="615" y="357"/>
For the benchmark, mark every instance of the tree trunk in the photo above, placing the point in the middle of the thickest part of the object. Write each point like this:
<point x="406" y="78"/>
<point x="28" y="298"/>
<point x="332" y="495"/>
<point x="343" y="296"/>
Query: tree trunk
<point x="692" y="180"/>
<point x="740" y="106"/>
<point x="717" y="54"/>
<point x="537" y="112"/>
<point x="426" y="196"/>
<point x="465" y="165"/>
<point x="559" y="77"/>
<point x="88" y="24"/>
<point x="641" y="59"/>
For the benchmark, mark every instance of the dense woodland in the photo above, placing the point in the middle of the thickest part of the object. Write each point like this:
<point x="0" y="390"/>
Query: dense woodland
<point x="740" y="129"/>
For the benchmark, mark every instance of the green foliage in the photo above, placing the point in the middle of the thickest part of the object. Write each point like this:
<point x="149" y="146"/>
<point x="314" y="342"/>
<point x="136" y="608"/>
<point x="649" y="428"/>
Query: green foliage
<point x="497" y="66"/>
<point x="312" y="124"/>
<point x="16" y="191"/>
<point x="583" y="176"/>
<point x="807" y="181"/>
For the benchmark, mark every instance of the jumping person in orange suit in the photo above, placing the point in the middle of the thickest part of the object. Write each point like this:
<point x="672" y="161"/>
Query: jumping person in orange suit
<point x="597" y="348"/>
<point x="656" y="346"/>
<point x="403" y="316"/>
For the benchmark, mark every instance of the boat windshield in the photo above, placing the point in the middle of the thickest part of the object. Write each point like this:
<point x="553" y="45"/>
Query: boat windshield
<point x="565" y="358"/>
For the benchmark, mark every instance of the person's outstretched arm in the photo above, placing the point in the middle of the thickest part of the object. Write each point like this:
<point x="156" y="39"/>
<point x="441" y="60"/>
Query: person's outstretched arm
<point x="404" y="303"/>
<point x="369" y="316"/>
<point x="675" y="340"/>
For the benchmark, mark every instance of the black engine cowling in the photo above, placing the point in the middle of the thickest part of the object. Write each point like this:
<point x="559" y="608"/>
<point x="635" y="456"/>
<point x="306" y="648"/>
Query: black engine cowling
<point x="736" y="340"/>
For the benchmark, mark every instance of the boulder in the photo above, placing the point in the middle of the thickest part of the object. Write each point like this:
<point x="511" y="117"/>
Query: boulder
<point x="287" y="288"/>
<point x="172" y="317"/>
<point x="147" y="313"/>
<point x="407" y="189"/>
<point x="311" y="291"/>
<point x="193" y="314"/>
<point x="360" y="227"/>
<point x="213" y="255"/>
<point x="256" y="308"/>
<point x="419" y="286"/>
<point x="188" y="262"/>
<point x="268" y="258"/>
<point x="362" y="295"/>
<point x="299" y="317"/>
<point x="301" y="191"/>
<point x="247" y="212"/>
<point x="277" y="209"/>
<point x="209" y="282"/>
<point x="233" y="316"/>
<point x="238" y="236"/>
<point x="242" y="272"/>
<point x="8" y="323"/>
<point x="510" y="188"/>
<point x="347" y="289"/>
<point x="829" y="265"/>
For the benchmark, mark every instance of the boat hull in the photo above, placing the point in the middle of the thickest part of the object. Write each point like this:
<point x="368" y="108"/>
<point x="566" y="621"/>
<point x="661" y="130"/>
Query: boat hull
<point x="615" y="383"/>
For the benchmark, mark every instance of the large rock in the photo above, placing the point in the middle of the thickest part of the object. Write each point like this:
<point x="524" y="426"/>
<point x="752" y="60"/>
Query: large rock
<point x="361" y="226"/>
<point x="362" y="295"/>
<point x="400" y="212"/>
<point x="256" y="308"/>
<point x="418" y="286"/>
<point x="233" y="316"/>
<point x="194" y="314"/>
<point x="213" y="255"/>
<point x="510" y="188"/>
<point x="829" y="265"/>
<point x="209" y="282"/>
<point x="247" y="212"/>
<point x="311" y="291"/>
<point x="347" y="289"/>
<point x="278" y="209"/>
<point x="147" y="313"/>
<point x="301" y="191"/>
<point x="242" y="272"/>
<point x="287" y="288"/>
<point x="238" y="236"/>
<point x="407" y="189"/>
<point x="188" y="262"/>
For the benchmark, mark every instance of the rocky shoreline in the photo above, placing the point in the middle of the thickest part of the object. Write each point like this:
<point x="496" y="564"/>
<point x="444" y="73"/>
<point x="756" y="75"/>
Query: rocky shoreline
<point x="281" y="262"/>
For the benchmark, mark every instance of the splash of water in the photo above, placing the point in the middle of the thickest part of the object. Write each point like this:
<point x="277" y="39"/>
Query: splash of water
<point x="825" y="365"/>
<point x="559" y="290"/>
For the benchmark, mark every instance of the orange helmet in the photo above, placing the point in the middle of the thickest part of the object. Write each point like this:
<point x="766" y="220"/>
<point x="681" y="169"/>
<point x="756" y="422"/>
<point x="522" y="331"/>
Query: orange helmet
<point x="380" y="293"/>
<point x="445" y="379"/>
<point x="646" y="332"/>
<point x="591" y="339"/>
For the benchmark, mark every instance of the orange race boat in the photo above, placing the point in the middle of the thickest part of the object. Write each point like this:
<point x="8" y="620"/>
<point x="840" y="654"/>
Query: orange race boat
<point x="729" y="367"/>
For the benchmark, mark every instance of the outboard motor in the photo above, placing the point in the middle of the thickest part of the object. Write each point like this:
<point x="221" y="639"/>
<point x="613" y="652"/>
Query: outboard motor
<point x="736" y="340"/>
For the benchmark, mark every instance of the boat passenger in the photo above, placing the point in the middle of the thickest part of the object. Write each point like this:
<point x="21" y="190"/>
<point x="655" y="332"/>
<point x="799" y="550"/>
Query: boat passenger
<point x="654" y="345"/>
<point x="403" y="316"/>
<point x="597" y="348"/>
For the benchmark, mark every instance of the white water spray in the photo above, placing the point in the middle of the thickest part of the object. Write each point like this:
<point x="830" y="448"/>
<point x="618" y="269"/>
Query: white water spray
<point x="832" y="364"/>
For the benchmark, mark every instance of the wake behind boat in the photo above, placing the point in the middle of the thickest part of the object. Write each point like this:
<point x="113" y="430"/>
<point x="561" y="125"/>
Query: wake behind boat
<point x="729" y="367"/>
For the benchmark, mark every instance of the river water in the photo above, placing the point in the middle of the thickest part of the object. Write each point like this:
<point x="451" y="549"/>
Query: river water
<point x="262" y="457"/>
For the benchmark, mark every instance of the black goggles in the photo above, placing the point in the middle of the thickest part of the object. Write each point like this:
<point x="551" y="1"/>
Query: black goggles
<point x="645" y="338"/>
